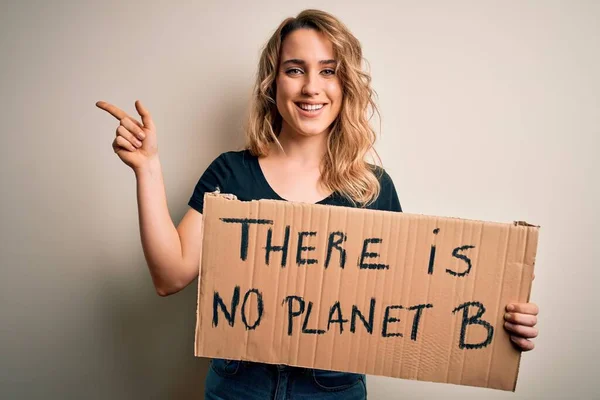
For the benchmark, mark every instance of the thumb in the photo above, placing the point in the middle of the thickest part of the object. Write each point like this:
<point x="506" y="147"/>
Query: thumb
<point x="145" y="114"/>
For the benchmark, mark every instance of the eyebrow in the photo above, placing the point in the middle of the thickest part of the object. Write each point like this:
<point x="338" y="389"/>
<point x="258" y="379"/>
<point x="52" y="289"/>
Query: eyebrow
<point x="302" y="62"/>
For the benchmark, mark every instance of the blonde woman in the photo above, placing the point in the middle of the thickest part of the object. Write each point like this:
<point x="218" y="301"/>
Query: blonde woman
<point x="307" y="138"/>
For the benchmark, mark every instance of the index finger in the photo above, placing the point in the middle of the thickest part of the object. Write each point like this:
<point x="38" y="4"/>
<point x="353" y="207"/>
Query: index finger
<point x="112" y="110"/>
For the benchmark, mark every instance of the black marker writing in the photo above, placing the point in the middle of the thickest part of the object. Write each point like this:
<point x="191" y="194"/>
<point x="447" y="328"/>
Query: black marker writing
<point x="283" y="249"/>
<point x="245" y="223"/>
<point x="301" y="248"/>
<point x="474" y="320"/>
<point x="335" y="244"/>
<point x="367" y="254"/>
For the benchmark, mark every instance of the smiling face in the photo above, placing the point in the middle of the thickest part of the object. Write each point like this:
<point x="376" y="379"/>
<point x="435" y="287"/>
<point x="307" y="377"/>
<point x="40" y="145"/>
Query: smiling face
<point x="309" y="93"/>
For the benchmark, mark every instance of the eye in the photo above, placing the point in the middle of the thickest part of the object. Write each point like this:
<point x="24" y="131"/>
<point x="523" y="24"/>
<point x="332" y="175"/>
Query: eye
<point x="293" y="71"/>
<point x="329" y="72"/>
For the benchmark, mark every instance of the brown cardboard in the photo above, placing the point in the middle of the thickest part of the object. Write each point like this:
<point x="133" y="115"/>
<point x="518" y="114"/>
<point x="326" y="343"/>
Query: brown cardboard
<point x="502" y="259"/>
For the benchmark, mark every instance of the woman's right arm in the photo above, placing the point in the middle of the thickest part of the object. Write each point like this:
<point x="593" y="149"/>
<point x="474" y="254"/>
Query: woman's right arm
<point x="172" y="254"/>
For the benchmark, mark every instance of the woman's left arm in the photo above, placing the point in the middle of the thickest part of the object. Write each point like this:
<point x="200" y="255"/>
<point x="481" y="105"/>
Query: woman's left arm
<point x="520" y="320"/>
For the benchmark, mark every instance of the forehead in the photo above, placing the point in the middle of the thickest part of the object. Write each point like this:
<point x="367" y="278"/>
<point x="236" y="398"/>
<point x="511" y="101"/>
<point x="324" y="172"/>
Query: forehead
<point x="308" y="45"/>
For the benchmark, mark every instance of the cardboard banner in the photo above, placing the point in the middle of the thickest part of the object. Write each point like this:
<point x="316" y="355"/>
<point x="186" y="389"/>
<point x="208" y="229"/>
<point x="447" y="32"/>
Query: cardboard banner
<point x="375" y="292"/>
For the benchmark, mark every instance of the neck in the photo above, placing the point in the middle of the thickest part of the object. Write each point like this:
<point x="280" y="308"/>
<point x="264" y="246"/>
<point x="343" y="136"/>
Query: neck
<point x="306" y="150"/>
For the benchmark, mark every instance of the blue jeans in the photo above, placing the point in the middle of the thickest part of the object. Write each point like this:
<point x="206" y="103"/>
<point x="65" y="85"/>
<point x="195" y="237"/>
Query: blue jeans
<point x="232" y="380"/>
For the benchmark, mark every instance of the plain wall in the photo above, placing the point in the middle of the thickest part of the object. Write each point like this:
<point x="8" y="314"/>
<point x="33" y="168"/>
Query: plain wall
<point x="490" y="110"/>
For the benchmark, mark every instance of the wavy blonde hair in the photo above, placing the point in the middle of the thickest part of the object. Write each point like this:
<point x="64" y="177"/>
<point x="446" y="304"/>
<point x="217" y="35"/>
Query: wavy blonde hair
<point x="343" y="169"/>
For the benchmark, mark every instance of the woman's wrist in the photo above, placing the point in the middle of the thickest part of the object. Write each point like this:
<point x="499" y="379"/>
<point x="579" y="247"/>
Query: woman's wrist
<point x="151" y="167"/>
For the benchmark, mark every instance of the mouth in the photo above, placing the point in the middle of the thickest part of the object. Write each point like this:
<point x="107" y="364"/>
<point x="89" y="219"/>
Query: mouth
<point x="310" y="110"/>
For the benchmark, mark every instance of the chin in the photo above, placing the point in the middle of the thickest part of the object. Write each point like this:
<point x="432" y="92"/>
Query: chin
<point x="309" y="132"/>
<point x="311" y="128"/>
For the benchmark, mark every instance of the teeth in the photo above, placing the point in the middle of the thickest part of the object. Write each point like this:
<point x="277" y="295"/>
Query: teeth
<point x="310" y="107"/>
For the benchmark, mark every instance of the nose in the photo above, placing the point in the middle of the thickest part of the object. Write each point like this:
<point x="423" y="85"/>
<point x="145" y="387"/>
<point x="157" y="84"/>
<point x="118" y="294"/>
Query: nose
<point x="311" y="85"/>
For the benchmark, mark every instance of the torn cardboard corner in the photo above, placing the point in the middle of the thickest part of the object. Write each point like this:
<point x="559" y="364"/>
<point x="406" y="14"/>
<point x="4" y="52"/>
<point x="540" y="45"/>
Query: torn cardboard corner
<point x="375" y="292"/>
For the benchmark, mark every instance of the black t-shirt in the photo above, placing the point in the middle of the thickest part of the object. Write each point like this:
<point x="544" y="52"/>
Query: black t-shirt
<point x="240" y="174"/>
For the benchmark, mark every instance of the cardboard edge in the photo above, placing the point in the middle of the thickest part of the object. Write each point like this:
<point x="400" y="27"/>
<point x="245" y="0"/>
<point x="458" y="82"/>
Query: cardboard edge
<point x="216" y="193"/>
<point x="525" y="223"/>
<point x="198" y="293"/>
<point x="535" y="248"/>
<point x="197" y="329"/>
<point x="228" y="196"/>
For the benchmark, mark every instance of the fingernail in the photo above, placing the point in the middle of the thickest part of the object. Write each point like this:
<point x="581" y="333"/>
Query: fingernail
<point x="141" y="136"/>
<point x="506" y="316"/>
<point x="513" y="338"/>
<point x="510" y="307"/>
<point x="138" y="144"/>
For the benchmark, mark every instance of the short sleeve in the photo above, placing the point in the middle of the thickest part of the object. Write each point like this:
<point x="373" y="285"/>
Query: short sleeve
<point x="215" y="176"/>
<point x="388" y="197"/>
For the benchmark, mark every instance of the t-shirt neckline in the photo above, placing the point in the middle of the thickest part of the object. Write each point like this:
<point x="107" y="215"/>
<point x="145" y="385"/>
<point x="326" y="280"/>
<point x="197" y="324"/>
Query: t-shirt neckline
<point x="263" y="181"/>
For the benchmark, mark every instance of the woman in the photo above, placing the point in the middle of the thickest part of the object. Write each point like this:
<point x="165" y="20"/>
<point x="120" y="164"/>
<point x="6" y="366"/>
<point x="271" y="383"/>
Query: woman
<point x="308" y="120"/>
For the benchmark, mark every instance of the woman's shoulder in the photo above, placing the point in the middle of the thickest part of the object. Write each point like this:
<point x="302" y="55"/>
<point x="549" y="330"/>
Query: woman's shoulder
<point x="233" y="160"/>
<point x="382" y="176"/>
<point x="235" y="156"/>
<point x="388" y="196"/>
